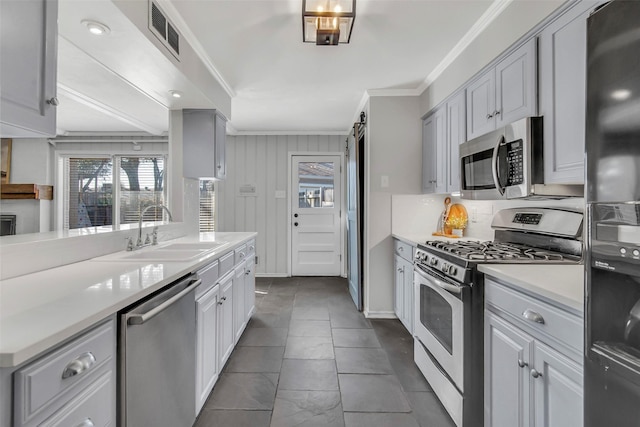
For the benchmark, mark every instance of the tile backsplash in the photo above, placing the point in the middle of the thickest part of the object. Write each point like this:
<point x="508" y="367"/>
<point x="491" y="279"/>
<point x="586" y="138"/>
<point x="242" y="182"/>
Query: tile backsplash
<point x="418" y="215"/>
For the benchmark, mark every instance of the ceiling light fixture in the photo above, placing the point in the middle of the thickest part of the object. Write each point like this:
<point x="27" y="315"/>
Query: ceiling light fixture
<point x="327" y="22"/>
<point x="96" y="28"/>
<point x="621" y="94"/>
<point x="176" y="93"/>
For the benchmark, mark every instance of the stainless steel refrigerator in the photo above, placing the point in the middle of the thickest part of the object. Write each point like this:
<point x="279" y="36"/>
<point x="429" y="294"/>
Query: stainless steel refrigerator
<point x="612" y="264"/>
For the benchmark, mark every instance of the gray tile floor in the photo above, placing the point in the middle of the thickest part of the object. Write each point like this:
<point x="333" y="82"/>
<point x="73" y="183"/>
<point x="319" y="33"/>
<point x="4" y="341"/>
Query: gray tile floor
<point x="309" y="358"/>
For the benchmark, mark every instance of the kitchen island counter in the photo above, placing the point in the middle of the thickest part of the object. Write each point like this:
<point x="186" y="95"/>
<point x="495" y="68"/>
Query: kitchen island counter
<point x="40" y="310"/>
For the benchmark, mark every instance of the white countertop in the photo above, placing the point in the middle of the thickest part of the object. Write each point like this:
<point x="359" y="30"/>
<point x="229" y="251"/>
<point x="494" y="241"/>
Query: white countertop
<point x="40" y="310"/>
<point x="558" y="284"/>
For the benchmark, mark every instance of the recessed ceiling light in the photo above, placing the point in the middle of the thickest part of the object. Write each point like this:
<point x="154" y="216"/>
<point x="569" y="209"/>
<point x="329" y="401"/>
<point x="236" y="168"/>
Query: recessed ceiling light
<point x="176" y="93"/>
<point x="96" y="28"/>
<point x="621" y="94"/>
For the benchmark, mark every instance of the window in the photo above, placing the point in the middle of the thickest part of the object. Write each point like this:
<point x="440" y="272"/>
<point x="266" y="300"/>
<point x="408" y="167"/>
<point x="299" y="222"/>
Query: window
<point x="207" y="205"/>
<point x="95" y="196"/>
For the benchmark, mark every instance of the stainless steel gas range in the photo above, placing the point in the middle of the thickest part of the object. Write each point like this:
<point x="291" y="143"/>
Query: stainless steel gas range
<point x="449" y="298"/>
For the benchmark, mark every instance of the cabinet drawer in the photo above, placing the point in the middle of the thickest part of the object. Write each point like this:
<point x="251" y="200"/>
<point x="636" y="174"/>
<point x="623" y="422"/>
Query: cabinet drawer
<point x="54" y="376"/>
<point x="251" y="248"/>
<point x="403" y="249"/>
<point x="225" y="264"/>
<point x="241" y="253"/>
<point x="536" y="314"/>
<point x="209" y="276"/>
<point x="94" y="406"/>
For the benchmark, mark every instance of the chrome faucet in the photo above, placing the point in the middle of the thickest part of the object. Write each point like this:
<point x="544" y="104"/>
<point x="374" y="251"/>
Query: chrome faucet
<point x="139" y="243"/>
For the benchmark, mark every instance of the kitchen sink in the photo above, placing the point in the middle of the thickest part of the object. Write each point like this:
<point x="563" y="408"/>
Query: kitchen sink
<point x="208" y="246"/>
<point x="160" y="255"/>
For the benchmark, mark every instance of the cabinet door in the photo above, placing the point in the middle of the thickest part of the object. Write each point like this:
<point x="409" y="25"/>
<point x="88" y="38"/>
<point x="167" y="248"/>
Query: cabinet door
<point x="239" y="314"/>
<point x="563" y="62"/>
<point x="481" y="100"/>
<point x="221" y="146"/>
<point x="28" y="45"/>
<point x="225" y="320"/>
<point x="456" y="135"/>
<point x="249" y="288"/>
<point x="441" y="151"/>
<point x="398" y="301"/>
<point x="407" y="277"/>
<point x="558" y="389"/>
<point x="206" y="345"/>
<point x="507" y="354"/>
<point x="516" y="85"/>
<point x="433" y="139"/>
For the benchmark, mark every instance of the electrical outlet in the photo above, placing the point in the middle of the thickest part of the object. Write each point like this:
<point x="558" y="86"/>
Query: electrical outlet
<point x="473" y="214"/>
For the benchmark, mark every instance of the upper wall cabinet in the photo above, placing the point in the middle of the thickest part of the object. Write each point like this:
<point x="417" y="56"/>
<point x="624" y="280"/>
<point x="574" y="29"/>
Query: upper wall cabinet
<point x="204" y="134"/>
<point x="562" y="63"/>
<point x="442" y="133"/>
<point x="28" y="48"/>
<point x="504" y="93"/>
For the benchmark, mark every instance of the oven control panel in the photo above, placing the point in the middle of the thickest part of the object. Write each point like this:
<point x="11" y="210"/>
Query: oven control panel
<point x="428" y="261"/>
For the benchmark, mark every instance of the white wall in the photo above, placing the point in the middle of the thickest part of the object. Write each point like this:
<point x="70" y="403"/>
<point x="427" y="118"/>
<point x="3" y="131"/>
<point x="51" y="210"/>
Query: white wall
<point x="394" y="141"/>
<point x="262" y="160"/>
<point x="514" y="22"/>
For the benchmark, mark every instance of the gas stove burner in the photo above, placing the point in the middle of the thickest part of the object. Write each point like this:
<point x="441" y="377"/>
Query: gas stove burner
<point x="495" y="251"/>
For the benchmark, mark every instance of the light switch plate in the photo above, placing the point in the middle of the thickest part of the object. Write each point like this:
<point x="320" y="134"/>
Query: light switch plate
<point x="384" y="181"/>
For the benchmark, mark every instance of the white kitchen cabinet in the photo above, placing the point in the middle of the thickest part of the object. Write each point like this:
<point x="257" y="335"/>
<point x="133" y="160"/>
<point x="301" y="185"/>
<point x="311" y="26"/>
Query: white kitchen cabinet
<point x="249" y="288"/>
<point x="239" y="315"/>
<point x="71" y="384"/>
<point x="434" y="153"/>
<point x="563" y="66"/>
<point x="28" y="47"/>
<point x="456" y="135"/>
<point x="226" y="335"/>
<point x="403" y="283"/>
<point x="206" y="344"/>
<point x="533" y="361"/>
<point x="204" y="144"/>
<point x="504" y="93"/>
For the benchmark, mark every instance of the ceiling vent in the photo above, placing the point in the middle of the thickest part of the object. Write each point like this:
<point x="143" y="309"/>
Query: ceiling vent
<point x="164" y="30"/>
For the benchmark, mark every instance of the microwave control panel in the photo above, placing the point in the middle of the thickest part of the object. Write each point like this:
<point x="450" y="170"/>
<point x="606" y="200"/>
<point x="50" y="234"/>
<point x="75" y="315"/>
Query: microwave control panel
<point x="515" y="161"/>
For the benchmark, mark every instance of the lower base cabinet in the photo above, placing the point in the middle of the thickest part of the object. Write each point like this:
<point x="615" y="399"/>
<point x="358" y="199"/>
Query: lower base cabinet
<point x="249" y="289"/>
<point x="226" y="333"/>
<point x="527" y="382"/>
<point x="207" y="345"/>
<point x="239" y="318"/>
<point x="403" y="283"/>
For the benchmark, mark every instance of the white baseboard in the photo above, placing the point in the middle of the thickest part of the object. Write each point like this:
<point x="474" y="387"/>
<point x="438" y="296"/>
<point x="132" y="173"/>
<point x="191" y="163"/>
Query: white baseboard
<point x="272" y="275"/>
<point x="380" y="314"/>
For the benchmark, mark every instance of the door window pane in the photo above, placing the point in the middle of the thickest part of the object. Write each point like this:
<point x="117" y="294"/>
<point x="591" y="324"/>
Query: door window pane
<point x="315" y="184"/>
<point x="207" y="205"/>
<point x="89" y="193"/>
<point x="141" y="185"/>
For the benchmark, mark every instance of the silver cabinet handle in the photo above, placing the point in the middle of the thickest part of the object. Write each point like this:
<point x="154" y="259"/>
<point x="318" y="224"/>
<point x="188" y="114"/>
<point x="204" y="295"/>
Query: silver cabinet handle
<point x="522" y="363"/>
<point x="247" y="272"/>
<point x="496" y="113"/>
<point x="535" y="374"/>
<point x="251" y="248"/>
<point x="489" y="116"/>
<point x="80" y="364"/>
<point x="139" y="319"/>
<point x="399" y="269"/>
<point x="223" y="298"/>
<point x="53" y="101"/>
<point x="86" y="423"/>
<point x="401" y="249"/>
<point x="241" y="254"/>
<point x="533" y="316"/>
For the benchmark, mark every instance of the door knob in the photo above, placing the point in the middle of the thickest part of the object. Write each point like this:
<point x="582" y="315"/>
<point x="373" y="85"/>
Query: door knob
<point x="295" y="215"/>
<point x="295" y="223"/>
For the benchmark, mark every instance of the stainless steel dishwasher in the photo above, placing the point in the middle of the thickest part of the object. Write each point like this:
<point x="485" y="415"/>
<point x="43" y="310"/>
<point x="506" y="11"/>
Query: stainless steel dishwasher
<point x="157" y="359"/>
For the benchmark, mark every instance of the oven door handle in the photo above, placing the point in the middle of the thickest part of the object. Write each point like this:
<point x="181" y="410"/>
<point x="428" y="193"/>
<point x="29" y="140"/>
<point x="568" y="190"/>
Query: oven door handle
<point x="494" y="165"/>
<point x="439" y="283"/>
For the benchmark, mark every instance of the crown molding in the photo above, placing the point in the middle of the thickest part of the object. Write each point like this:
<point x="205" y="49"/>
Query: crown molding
<point x="105" y="109"/>
<point x="288" y="132"/>
<point x="496" y="8"/>
<point x="394" y="92"/>
<point x="193" y="41"/>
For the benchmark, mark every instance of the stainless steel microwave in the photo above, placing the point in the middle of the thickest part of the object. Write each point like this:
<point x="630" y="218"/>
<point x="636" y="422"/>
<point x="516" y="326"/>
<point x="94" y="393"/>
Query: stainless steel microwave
<point x="508" y="164"/>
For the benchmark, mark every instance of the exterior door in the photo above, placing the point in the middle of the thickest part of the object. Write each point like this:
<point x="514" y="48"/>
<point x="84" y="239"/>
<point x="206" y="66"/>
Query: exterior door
<point x="315" y="215"/>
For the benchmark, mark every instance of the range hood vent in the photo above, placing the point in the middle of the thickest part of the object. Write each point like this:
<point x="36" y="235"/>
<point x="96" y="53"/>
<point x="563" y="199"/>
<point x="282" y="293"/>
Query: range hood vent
<point x="164" y="30"/>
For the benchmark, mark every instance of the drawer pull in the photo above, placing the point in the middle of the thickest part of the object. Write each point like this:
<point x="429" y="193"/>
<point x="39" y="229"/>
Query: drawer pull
<point x="83" y="363"/>
<point x="241" y="254"/>
<point x="535" y="374"/>
<point x="86" y="423"/>
<point x="251" y="248"/>
<point x="533" y="316"/>
<point x="522" y="363"/>
<point x="401" y="249"/>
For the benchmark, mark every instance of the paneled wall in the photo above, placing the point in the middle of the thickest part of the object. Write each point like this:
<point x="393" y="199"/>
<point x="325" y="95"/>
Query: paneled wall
<point x="262" y="160"/>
